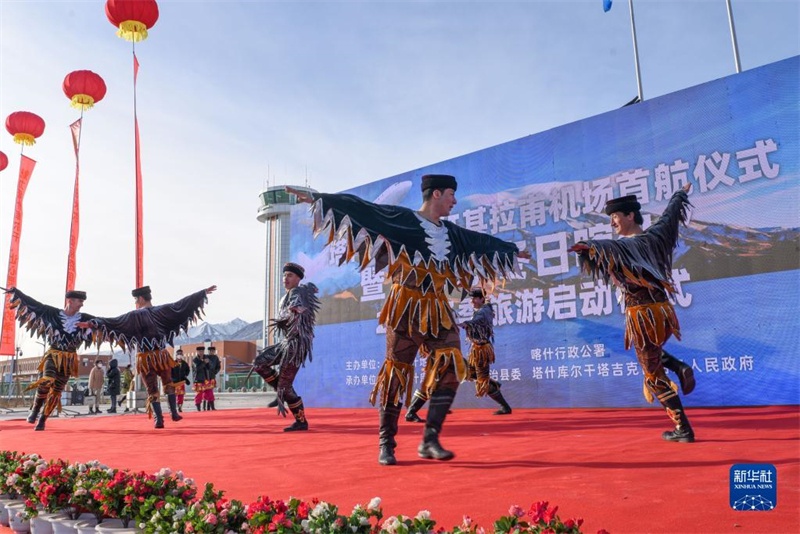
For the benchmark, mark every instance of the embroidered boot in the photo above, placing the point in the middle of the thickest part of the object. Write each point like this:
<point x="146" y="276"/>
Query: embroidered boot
<point x="300" y="422"/>
<point x="685" y="372"/>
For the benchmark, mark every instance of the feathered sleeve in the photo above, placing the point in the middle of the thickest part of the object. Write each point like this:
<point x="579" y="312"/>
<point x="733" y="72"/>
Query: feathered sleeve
<point x="38" y="319"/>
<point x="480" y="327"/>
<point x="150" y="328"/>
<point x="371" y="231"/>
<point x="383" y="233"/>
<point x="644" y="260"/>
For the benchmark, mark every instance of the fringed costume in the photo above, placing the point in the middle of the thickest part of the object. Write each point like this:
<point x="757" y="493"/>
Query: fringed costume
<point x="149" y="331"/>
<point x="180" y="378"/>
<point x="61" y="333"/>
<point x="202" y="382"/>
<point x="426" y="261"/>
<point x="294" y="327"/>
<point x="641" y="265"/>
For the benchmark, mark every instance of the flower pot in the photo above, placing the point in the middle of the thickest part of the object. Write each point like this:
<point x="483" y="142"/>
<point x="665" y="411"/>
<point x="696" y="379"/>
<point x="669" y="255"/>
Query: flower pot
<point x="115" y="526"/>
<point x="4" y="502"/>
<point x="66" y="525"/>
<point x="16" y="518"/>
<point x="86" y="526"/>
<point x="42" y="523"/>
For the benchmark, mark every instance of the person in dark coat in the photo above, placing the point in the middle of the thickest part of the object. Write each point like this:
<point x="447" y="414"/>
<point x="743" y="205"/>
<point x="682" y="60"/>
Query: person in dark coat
<point x="214" y="367"/>
<point x="113" y="383"/>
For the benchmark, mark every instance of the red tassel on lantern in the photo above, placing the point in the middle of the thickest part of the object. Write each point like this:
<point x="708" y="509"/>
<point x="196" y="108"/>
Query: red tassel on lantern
<point x="25" y="126"/>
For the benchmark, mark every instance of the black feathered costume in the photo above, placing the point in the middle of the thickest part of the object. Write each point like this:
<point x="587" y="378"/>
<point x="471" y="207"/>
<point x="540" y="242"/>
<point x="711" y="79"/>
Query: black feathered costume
<point x="425" y="261"/>
<point x="63" y="337"/>
<point x="641" y="266"/>
<point x="149" y="331"/>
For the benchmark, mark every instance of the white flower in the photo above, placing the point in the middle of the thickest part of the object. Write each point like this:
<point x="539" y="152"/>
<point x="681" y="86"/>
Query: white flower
<point x="374" y="503"/>
<point x="423" y="514"/>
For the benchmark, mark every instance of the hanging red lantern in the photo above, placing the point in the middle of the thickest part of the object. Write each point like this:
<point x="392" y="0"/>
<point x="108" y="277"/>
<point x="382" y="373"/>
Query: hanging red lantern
<point x="84" y="88"/>
<point x="3" y="161"/>
<point x="132" y="17"/>
<point x="25" y="127"/>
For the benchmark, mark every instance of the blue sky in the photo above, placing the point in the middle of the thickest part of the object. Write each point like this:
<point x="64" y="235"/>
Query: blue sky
<point x="235" y="95"/>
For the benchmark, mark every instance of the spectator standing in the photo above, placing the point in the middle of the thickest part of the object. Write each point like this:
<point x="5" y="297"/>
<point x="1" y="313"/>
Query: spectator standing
<point x="96" y="381"/>
<point x="113" y="383"/>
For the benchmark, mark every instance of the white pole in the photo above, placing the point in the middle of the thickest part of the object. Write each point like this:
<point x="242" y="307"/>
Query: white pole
<point x="636" y="54"/>
<point x="733" y="38"/>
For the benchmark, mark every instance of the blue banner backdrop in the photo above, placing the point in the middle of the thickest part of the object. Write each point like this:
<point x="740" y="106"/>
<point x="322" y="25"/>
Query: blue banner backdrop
<point x="559" y="335"/>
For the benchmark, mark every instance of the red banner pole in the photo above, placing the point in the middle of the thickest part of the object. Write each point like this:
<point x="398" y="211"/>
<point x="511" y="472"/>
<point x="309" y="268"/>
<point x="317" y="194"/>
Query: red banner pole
<point x="74" y="228"/>
<point x="8" y="334"/>
<point x="139" y="211"/>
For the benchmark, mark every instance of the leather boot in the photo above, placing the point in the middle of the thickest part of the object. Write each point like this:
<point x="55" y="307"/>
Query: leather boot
<point x="40" y="424"/>
<point x="33" y="415"/>
<point x="299" y="413"/>
<point x="685" y="372"/>
<point x="389" y="415"/>
<point x="439" y="406"/>
<point x="497" y="396"/>
<point x="172" y="400"/>
<point x="418" y="402"/>
<point x="159" y="417"/>
<point x="683" y="432"/>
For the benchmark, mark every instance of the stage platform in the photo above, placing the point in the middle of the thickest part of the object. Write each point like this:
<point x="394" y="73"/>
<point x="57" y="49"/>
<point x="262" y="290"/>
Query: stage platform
<point x="609" y="467"/>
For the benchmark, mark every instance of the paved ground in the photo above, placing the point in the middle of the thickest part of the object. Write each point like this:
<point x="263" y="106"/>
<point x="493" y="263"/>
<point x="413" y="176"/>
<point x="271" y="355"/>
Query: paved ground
<point x="224" y="401"/>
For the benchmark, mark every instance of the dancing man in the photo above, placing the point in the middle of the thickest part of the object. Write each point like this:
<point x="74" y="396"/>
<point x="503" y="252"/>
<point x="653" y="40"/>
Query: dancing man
<point x="427" y="256"/>
<point x="480" y="332"/>
<point x="60" y="330"/>
<point x="294" y="324"/>
<point x="641" y="265"/>
<point x="149" y="330"/>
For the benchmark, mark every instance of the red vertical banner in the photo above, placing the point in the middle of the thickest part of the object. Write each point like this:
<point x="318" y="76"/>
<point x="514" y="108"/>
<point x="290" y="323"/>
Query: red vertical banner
<point x="8" y="334"/>
<point x="139" y="214"/>
<point x="74" y="228"/>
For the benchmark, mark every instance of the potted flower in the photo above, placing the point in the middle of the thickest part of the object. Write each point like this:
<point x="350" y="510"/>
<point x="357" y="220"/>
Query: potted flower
<point x="53" y="486"/>
<point x="20" y="482"/>
<point x="324" y="518"/>
<point x="214" y="514"/>
<point x="542" y="519"/>
<point x="266" y="515"/>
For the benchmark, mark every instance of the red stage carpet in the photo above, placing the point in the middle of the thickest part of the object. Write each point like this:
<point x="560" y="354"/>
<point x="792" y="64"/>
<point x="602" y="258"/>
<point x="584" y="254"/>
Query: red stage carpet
<point x="608" y="466"/>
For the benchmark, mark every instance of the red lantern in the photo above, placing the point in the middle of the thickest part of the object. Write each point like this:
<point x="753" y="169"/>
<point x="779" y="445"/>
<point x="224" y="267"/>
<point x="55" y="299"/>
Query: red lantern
<point x="25" y="127"/>
<point x="84" y="88"/>
<point x="3" y="161"/>
<point x="132" y="17"/>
